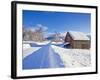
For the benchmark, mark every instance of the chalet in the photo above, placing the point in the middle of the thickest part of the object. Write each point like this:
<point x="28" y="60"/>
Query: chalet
<point x="77" y="40"/>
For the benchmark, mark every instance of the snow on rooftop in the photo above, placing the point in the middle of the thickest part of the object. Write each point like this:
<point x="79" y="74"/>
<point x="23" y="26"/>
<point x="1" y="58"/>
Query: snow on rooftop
<point x="78" y="35"/>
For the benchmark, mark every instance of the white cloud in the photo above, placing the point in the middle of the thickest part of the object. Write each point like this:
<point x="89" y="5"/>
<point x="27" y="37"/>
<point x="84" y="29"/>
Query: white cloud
<point x="42" y="26"/>
<point x="33" y="28"/>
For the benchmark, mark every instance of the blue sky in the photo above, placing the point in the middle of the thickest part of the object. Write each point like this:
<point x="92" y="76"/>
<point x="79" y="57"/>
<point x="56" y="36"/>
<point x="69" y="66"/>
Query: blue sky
<point x="57" y="21"/>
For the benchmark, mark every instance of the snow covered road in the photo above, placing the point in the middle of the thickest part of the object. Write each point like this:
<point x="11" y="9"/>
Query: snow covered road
<point x="45" y="57"/>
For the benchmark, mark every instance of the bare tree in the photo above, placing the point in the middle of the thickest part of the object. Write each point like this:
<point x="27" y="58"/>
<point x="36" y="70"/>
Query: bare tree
<point x="27" y="35"/>
<point x="38" y="34"/>
<point x="56" y="37"/>
<point x="34" y="34"/>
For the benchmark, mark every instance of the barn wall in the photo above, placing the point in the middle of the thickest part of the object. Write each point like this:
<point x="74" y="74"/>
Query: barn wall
<point x="81" y="44"/>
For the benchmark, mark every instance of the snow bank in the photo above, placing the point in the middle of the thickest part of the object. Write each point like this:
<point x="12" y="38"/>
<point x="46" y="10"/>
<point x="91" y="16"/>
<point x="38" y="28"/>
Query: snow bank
<point x="56" y="42"/>
<point x="43" y="43"/>
<point x="74" y="57"/>
<point x="37" y="43"/>
<point x="25" y="46"/>
<point x="29" y="51"/>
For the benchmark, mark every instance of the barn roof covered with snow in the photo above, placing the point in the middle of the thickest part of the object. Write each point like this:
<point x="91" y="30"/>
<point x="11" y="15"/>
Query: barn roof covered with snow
<point x="78" y="35"/>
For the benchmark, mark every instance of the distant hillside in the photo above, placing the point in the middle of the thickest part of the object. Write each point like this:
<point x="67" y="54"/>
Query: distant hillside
<point x="89" y="36"/>
<point x="54" y="37"/>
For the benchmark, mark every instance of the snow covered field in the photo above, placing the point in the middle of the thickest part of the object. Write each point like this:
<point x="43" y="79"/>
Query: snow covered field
<point x="29" y="49"/>
<point x="52" y="55"/>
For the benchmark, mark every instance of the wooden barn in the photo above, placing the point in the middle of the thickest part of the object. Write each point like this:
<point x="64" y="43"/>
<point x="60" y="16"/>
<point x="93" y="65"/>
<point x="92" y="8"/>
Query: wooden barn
<point x="77" y="40"/>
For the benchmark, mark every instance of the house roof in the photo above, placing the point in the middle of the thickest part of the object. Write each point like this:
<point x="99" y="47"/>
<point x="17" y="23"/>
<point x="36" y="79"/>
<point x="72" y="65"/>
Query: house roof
<point x="78" y="35"/>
